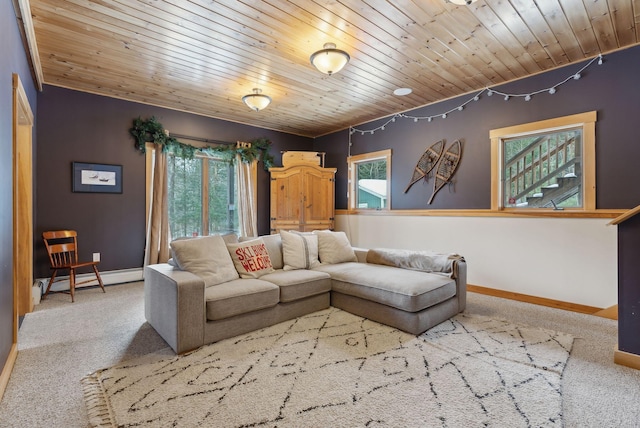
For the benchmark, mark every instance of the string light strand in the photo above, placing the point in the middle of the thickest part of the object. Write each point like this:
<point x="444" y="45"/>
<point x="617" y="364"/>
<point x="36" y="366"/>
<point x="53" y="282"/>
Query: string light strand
<point x="489" y="91"/>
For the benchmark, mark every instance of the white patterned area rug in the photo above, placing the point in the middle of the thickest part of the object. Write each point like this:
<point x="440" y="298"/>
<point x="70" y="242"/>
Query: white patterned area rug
<point x="335" y="369"/>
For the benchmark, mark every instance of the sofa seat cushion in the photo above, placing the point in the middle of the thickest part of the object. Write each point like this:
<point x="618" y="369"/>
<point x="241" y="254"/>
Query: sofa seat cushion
<point x="298" y="284"/>
<point x="239" y="297"/>
<point x="409" y="290"/>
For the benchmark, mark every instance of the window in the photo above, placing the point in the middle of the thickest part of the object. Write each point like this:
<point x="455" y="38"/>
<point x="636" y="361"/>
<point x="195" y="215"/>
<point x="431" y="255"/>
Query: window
<point x="370" y="180"/>
<point x="546" y="164"/>
<point x="201" y="196"/>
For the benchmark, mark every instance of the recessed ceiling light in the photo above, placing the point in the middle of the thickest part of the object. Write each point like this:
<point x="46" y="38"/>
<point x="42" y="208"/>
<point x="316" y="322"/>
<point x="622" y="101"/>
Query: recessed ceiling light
<point x="402" y="91"/>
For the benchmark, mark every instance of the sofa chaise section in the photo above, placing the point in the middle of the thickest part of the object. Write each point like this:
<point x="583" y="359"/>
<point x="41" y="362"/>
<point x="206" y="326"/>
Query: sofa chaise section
<point x="410" y="300"/>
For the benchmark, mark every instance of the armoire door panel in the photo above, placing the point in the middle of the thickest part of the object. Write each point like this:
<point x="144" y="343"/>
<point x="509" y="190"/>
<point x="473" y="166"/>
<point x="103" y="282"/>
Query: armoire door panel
<point x="302" y="196"/>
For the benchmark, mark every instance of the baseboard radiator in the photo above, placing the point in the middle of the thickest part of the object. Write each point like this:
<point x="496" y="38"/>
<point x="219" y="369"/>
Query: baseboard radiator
<point x="108" y="277"/>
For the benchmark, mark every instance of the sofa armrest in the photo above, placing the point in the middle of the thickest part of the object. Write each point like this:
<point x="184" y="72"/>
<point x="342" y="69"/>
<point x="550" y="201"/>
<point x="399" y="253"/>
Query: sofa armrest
<point x="174" y="305"/>
<point x="460" y="275"/>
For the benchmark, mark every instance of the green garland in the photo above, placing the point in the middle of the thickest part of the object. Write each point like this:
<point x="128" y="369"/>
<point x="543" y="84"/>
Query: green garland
<point x="151" y="131"/>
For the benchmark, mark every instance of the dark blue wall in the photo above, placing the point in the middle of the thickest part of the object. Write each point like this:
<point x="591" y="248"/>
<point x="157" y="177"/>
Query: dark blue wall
<point x="81" y="127"/>
<point x="14" y="60"/>
<point x="612" y="89"/>
<point x="629" y="285"/>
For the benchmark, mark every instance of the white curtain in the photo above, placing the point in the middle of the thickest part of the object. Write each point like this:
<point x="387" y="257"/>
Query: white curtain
<point x="157" y="243"/>
<point x="247" y="177"/>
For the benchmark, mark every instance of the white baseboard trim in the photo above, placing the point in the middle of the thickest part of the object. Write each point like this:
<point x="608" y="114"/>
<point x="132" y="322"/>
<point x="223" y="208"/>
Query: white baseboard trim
<point x="108" y="277"/>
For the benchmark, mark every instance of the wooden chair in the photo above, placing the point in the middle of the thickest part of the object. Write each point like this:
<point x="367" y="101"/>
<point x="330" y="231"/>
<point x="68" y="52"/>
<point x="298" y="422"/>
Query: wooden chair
<point x="62" y="246"/>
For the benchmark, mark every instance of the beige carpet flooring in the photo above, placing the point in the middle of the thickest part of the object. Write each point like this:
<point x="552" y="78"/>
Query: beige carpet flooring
<point x="60" y="342"/>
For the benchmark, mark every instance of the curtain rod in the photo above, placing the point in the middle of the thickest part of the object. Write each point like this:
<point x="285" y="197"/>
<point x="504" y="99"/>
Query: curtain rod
<point x="200" y="139"/>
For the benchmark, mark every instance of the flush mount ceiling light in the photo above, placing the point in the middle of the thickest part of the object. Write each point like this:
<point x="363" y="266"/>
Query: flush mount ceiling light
<point x="329" y="60"/>
<point x="462" y="2"/>
<point x="402" y="91"/>
<point x="257" y="101"/>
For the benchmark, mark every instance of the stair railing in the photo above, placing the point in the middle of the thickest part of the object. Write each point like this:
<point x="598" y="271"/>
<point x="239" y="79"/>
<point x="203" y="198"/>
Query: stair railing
<point x="538" y="164"/>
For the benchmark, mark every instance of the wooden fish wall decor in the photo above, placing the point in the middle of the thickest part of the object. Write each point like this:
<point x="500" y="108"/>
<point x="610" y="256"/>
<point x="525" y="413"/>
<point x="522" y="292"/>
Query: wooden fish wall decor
<point x="426" y="163"/>
<point x="447" y="167"/>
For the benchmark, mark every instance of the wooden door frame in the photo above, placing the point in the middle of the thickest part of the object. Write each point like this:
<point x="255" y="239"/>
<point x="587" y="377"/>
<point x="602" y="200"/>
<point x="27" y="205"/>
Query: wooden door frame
<point x="22" y="123"/>
<point x="22" y="140"/>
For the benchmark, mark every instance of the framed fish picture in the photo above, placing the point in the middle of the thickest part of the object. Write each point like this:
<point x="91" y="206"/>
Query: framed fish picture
<point x="96" y="178"/>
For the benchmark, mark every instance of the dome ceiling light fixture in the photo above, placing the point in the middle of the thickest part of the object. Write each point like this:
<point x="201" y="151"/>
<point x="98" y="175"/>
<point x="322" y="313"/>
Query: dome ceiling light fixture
<point x="462" y="2"/>
<point x="402" y="91"/>
<point x="257" y="101"/>
<point x="329" y="60"/>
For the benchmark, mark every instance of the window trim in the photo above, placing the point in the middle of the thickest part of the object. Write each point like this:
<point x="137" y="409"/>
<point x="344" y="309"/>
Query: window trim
<point x="352" y="161"/>
<point x="585" y="120"/>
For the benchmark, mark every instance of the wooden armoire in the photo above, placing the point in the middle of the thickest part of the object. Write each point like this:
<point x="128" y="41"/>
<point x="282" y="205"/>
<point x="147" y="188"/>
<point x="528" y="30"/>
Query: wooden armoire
<point x="302" y="193"/>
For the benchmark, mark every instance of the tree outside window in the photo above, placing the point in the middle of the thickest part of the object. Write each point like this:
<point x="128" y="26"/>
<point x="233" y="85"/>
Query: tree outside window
<point x="201" y="196"/>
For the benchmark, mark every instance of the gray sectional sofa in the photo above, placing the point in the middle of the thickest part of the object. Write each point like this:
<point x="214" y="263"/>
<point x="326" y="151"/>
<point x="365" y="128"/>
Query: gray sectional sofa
<point x="197" y="299"/>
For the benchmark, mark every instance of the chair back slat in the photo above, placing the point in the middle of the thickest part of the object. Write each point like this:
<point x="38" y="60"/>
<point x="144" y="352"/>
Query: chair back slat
<point x="58" y="234"/>
<point x="62" y="246"/>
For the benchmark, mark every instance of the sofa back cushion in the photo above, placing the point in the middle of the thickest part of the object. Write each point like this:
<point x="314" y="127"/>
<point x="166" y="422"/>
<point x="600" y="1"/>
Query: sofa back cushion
<point x="334" y="247"/>
<point x="206" y="257"/>
<point x="299" y="250"/>
<point x="251" y="258"/>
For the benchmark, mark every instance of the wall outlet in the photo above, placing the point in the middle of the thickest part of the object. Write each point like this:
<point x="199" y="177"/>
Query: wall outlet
<point x="96" y="257"/>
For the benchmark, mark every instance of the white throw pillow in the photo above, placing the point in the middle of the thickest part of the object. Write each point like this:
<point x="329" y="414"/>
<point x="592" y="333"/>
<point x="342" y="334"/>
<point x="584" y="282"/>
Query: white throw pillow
<point x="299" y="250"/>
<point x="251" y="258"/>
<point x="334" y="247"/>
<point x="206" y="257"/>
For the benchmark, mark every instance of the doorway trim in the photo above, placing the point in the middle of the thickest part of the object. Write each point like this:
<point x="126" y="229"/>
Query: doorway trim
<point x="22" y="200"/>
<point x="22" y="121"/>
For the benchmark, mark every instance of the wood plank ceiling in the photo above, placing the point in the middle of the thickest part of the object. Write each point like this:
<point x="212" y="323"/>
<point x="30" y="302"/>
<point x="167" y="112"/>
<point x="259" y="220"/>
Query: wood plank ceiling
<point x="202" y="56"/>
